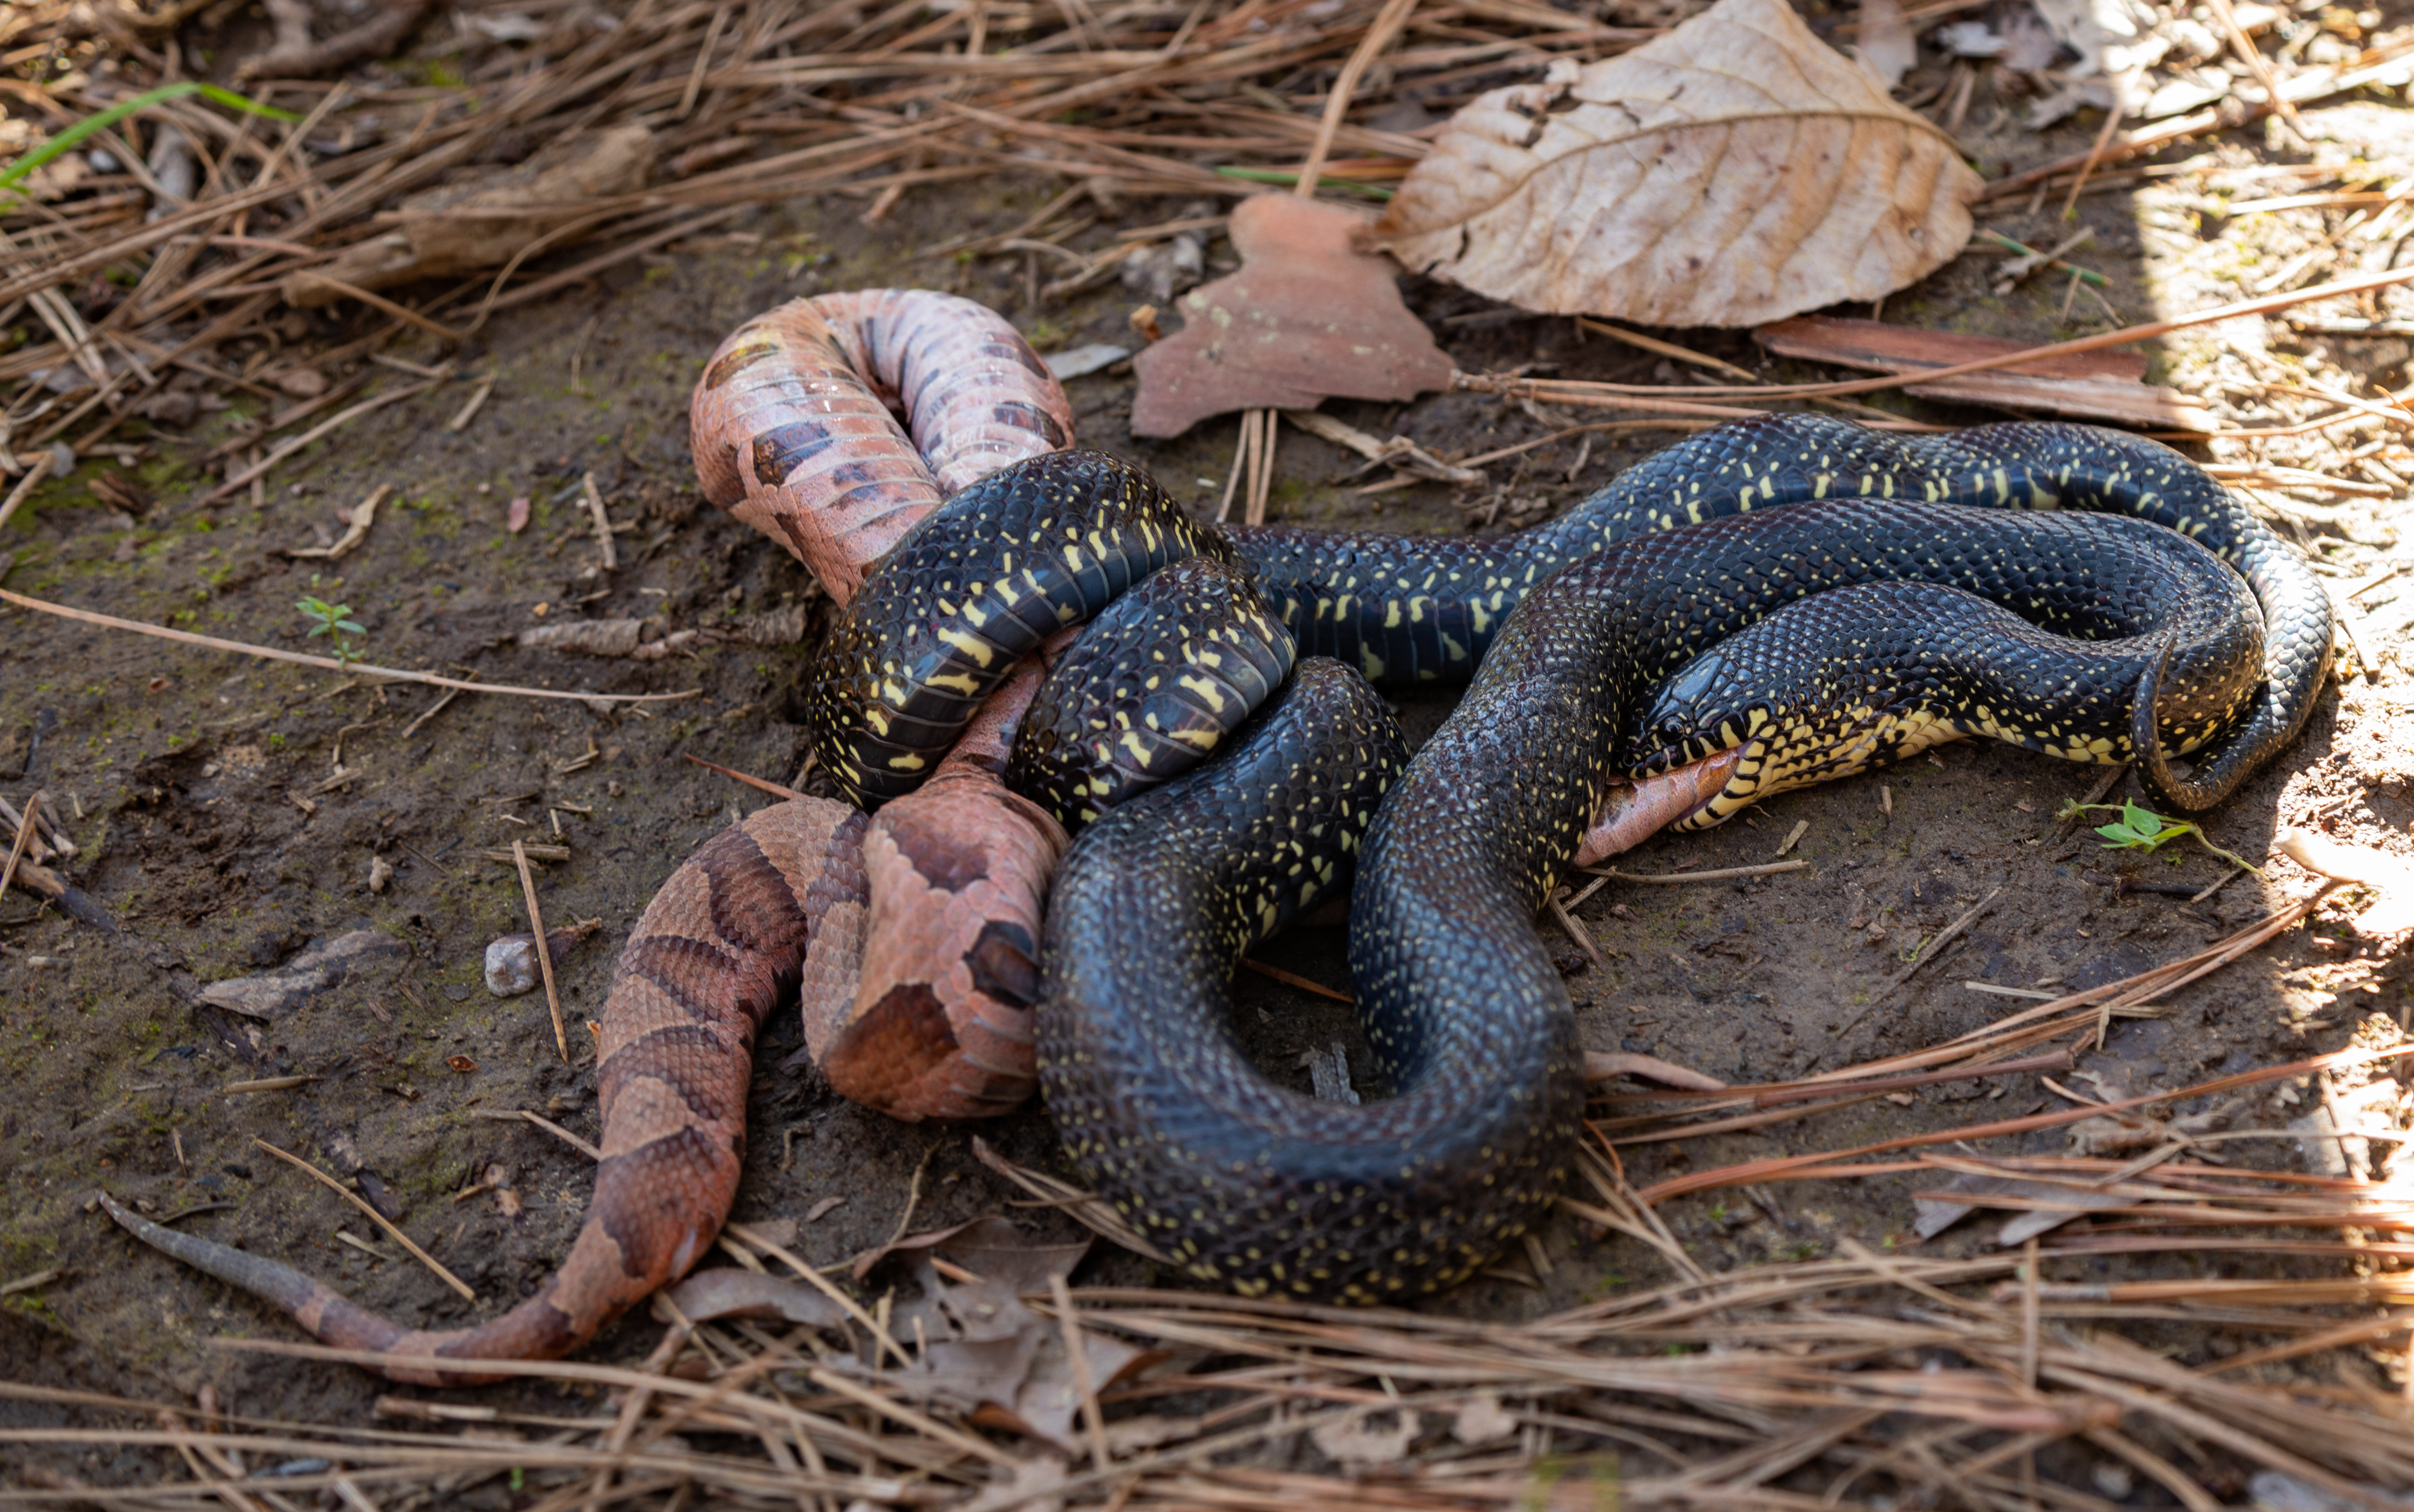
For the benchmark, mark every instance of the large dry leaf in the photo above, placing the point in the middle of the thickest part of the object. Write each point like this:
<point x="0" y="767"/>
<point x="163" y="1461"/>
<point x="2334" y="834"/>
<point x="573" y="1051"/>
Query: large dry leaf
<point x="1735" y="171"/>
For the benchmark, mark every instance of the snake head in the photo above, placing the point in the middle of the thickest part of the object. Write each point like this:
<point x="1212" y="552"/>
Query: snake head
<point x="1784" y="703"/>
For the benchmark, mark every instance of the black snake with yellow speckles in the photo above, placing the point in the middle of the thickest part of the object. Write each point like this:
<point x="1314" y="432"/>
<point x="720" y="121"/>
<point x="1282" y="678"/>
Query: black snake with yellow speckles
<point x="1574" y="625"/>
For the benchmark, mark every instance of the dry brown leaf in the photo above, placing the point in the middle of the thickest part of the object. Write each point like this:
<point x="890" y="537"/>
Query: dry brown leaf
<point x="465" y="227"/>
<point x="1734" y="171"/>
<point x="1307" y="318"/>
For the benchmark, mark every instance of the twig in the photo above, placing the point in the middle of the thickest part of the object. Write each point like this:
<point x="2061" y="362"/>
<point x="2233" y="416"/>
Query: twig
<point x="603" y="524"/>
<point x="1569" y="391"/>
<point x="1936" y="946"/>
<point x="355" y="531"/>
<point x="564" y="1135"/>
<point x="1722" y="874"/>
<point x="2103" y="139"/>
<point x="468" y="411"/>
<point x="1666" y="349"/>
<point x="336" y="422"/>
<point x="544" y="951"/>
<point x="1576" y="932"/>
<point x="24" y="838"/>
<point x="762" y="784"/>
<point x="1386" y="25"/>
<point x="330" y="663"/>
<point x="1292" y="979"/>
<point x="34" y="472"/>
<point x="1069" y="1322"/>
<point x="815" y="1279"/>
<point x="375" y="1217"/>
<point x="400" y="312"/>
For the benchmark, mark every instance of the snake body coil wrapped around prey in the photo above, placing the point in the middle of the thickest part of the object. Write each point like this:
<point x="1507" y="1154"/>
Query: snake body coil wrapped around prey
<point x="1679" y="625"/>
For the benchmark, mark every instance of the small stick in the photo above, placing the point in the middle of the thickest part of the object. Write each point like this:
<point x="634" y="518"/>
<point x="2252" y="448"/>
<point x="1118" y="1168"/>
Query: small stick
<point x="400" y="312"/>
<point x="564" y="1135"/>
<point x="47" y="836"/>
<point x="24" y="838"/>
<point x="1934" y="947"/>
<point x="544" y="951"/>
<point x="412" y="728"/>
<point x="2104" y="784"/>
<point x="377" y="1218"/>
<point x="2253" y="57"/>
<point x="1292" y="979"/>
<point x="1262" y="484"/>
<point x="357" y="529"/>
<point x="763" y="784"/>
<point x="1386" y="25"/>
<point x="34" y="472"/>
<point x="2103" y="139"/>
<point x="1581" y="936"/>
<point x="356" y="668"/>
<point x="1242" y="452"/>
<point x="1722" y="875"/>
<point x="823" y="1283"/>
<point x="1069" y="1323"/>
<point x="603" y="524"/>
<point x="468" y="411"/>
<point x="335" y="421"/>
<point x="703" y="61"/>
<point x="1668" y="349"/>
<point x="265" y="1083"/>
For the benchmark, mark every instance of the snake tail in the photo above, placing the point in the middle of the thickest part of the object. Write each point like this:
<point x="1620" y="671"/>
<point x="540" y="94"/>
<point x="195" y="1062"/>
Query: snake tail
<point x="721" y="944"/>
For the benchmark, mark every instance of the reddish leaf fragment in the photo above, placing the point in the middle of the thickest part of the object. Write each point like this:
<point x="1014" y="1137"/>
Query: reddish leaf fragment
<point x="461" y="1063"/>
<point x="1307" y="318"/>
<point x="515" y="515"/>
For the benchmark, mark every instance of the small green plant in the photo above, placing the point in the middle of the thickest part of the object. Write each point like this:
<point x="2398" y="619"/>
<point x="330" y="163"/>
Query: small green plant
<point x="333" y="619"/>
<point x="2142" y="829"/>
<point x="105" y="119"/>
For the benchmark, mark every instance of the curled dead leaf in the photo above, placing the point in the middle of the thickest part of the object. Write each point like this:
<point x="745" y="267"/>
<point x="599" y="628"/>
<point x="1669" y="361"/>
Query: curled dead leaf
<point x="1734" y="171"/>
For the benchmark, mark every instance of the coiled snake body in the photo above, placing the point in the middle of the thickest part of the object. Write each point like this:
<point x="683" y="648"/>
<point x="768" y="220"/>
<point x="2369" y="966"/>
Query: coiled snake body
<point x="1573" y="623"/>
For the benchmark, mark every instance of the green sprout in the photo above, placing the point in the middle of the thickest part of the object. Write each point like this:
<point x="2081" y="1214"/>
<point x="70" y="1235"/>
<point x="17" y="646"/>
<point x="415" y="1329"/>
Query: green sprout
<point x="333" y="619"/>
<point x="2142" y="829"/>
<point x="109" y="117"/>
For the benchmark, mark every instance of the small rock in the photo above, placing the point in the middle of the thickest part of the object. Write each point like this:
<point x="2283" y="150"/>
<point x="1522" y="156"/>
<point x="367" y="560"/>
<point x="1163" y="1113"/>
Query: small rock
<point x="302" y="382"/>
<point x="1082" y="361"/>
<point x="511" y="966"/>
<point x="380" y="873"/>
<point x="272" y="995"/>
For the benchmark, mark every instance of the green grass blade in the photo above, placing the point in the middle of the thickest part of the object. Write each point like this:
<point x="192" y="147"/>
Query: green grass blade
<point x="35" y="157"/>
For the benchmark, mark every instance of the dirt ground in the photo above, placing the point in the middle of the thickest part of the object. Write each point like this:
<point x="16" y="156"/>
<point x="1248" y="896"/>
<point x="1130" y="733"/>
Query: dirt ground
<point x="202" y="791"/>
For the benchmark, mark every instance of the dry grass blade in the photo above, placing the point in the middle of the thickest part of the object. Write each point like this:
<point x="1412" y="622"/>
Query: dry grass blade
<point x="374" y="1216"/>
<point x="330" y="663"/>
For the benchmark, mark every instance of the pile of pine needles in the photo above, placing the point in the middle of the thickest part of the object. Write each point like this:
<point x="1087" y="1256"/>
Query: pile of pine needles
<point x="1853" y="1380"/>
